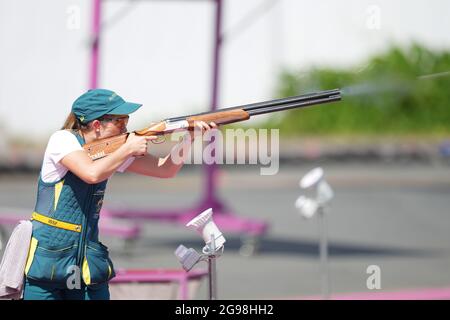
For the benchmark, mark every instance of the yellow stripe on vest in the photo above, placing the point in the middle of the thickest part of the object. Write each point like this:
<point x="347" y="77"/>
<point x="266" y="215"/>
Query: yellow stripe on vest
<point x="58" y="189"/>
<point x="56" y="223"/>
<point x="31" y="251"/>
<point x="86" y="273"/>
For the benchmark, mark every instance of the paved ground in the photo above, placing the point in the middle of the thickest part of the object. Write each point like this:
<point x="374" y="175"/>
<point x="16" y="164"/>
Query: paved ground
<point x="394" y="216"/>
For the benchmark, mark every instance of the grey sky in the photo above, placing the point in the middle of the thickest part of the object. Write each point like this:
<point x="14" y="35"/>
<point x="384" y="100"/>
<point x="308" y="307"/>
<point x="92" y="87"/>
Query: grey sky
<point x="159" y="53"/>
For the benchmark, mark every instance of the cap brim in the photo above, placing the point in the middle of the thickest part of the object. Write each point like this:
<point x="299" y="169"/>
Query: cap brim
<point x="125" y="108"/>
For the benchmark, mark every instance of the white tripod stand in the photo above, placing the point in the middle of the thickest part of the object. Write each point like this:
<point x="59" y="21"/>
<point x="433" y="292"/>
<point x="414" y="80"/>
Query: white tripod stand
<point x="308" y="207"/>
<point x="213" y="249"/>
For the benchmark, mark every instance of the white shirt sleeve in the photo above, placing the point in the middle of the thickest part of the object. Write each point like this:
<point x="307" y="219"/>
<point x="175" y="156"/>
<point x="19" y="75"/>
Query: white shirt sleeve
<point x="60" y="144"/>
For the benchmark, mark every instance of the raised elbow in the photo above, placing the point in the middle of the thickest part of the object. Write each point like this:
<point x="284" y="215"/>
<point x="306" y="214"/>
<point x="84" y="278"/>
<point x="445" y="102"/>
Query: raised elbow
<point x="91" y="177"/>
<point x="90" y="180"/>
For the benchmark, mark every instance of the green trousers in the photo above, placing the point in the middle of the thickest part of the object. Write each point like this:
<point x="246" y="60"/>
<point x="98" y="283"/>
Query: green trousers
<point x="37" y="290"/>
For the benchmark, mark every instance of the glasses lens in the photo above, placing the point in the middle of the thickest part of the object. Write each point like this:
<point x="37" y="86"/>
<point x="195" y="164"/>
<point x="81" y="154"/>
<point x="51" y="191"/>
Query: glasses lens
<point x="124" y="120"/>
<point x="117" y="120"/>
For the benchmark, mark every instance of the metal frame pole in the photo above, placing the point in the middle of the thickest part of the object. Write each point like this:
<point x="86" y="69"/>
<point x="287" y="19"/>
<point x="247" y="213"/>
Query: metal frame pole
<point x="212" y="272"/>
<point x="323" y="251"/>
<point x="95" y="42"/>
<point x="212" y="277"/>
<point x="210" y="196"/>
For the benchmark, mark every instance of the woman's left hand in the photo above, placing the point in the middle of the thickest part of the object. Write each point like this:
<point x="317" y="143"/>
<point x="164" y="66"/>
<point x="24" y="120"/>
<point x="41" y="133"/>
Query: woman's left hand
<point x="203" y="126"/>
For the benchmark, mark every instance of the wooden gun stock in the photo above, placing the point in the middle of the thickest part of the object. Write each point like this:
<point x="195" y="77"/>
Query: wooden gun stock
<point x="103" y="147"/>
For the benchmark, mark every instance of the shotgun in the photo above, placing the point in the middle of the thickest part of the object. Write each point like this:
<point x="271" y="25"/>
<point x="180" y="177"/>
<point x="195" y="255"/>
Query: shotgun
<point x="103" y="147"/>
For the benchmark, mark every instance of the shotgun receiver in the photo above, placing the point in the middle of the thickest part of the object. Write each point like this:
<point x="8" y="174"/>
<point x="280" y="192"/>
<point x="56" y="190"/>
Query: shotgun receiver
<point x="101" y="148"/>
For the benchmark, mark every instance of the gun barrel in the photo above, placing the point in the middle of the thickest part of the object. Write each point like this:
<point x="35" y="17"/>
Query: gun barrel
<point x="278" y="104"/>
<point x="292" y="100"/>
<point x="294" y="105"/>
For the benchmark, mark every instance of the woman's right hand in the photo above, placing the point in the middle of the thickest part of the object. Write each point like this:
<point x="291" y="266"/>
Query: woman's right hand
<point x="137" y="145"/>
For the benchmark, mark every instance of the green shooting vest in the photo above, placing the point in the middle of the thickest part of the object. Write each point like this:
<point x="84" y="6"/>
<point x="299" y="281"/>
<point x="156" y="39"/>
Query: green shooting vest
<point x="65" y="232"/>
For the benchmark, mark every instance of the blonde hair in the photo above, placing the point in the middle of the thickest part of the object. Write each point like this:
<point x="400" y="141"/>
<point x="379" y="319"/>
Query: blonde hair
<point x="72" y="123"/>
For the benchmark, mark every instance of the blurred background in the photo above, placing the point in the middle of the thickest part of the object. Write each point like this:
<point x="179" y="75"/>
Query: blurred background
<point x="385" y="148"/>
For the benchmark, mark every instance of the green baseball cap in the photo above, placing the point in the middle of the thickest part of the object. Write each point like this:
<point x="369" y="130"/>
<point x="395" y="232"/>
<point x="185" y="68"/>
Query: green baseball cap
<point x="96" y="103"/>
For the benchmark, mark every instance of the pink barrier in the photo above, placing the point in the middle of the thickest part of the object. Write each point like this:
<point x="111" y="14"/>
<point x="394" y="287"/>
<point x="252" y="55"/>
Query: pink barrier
<point x="154" y="276"/>
<point x="108" y="226"/>
<point x="225" y="220"/>
<point x="407" y="294"/>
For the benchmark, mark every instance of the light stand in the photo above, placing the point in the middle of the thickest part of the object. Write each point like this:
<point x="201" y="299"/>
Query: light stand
<point x="212" y="271"/>
<point x="308" y="207"/>
<point x="323" y="251"/>
<point x="213" y="249"/>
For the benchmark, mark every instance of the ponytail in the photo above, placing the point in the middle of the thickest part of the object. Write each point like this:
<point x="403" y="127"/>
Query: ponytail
<point x="71" y="123"/>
